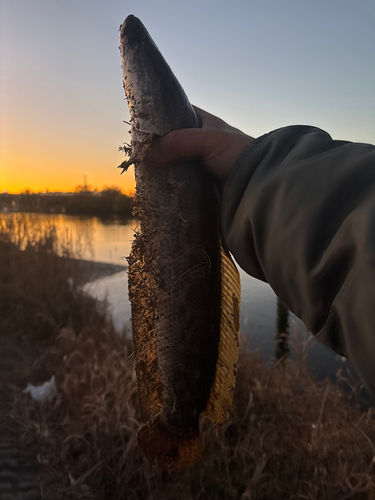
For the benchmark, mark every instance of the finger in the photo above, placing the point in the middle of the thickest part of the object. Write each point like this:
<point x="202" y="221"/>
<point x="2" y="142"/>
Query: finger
<point x="207" y="120"/>
<point x="177" y="144"/>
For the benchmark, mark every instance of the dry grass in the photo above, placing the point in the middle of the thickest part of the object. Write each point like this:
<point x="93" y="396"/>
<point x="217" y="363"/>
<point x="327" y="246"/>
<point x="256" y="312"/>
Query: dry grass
<point x="286" y="438"/>
<point x="40" y="284"/>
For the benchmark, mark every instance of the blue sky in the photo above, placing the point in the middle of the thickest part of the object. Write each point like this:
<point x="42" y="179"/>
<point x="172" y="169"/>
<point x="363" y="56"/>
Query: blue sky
<point x="258" y="66"/>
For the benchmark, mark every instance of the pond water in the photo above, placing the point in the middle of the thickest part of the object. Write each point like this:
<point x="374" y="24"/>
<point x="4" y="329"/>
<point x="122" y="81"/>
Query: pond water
<point x="110" y="241"/>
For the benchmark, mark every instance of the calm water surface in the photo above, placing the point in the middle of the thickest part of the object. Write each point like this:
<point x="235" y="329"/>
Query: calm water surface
<point x="111" y="242"/>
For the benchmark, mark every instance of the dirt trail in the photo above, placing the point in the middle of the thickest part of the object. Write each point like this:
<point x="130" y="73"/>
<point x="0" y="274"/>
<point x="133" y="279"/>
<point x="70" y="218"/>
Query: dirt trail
<point x="21" y="475"/>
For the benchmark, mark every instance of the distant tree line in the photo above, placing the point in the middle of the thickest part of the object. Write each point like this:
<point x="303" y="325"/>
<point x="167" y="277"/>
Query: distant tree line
<point x="104" y="203"/>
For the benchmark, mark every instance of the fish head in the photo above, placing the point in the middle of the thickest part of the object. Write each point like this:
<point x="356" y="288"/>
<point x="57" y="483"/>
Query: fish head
<point x="157" y="103"/>
<point x="134" y="32"/>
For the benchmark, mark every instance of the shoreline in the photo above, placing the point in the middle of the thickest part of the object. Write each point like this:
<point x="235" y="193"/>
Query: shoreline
<point x="95" y="270"/>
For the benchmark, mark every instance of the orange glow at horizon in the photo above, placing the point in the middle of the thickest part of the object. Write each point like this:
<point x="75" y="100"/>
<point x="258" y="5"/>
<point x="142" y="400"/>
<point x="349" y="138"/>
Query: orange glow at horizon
<point x="40" y="181"/>
<point x="37" y="159"/>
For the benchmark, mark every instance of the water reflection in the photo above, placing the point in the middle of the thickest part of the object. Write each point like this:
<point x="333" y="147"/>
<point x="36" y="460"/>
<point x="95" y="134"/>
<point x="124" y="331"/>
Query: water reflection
<point x="89" y="238"/>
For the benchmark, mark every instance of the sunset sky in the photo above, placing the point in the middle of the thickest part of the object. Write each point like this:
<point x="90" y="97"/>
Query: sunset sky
<point x="257" y="65"/>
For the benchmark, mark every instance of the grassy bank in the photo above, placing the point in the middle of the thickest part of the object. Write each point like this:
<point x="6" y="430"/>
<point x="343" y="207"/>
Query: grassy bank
<point x="286" y="437"/>
<point x="40" y="282"/>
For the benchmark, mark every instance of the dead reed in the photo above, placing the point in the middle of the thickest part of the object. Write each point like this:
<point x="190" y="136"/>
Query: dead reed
<point x="286" y="438"/>
<point x="40" y="284"/>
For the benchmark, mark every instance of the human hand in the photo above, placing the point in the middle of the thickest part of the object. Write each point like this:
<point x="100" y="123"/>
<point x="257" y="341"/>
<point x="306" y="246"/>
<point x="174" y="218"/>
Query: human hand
<point x="216" y="143"/>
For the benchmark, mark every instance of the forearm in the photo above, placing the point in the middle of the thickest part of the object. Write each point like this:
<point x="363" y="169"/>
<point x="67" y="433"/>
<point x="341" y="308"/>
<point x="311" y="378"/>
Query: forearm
<point x="299" y="213"/>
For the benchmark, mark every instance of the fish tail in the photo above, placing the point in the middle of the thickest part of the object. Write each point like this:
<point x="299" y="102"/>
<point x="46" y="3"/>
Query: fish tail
<point x="168" y="448"/>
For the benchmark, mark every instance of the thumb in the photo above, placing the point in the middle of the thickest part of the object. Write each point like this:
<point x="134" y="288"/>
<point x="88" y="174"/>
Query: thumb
<point x="177" y="144"/>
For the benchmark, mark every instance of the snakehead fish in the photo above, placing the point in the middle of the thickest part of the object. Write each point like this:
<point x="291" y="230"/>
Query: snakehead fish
<point x="183" y="287"/>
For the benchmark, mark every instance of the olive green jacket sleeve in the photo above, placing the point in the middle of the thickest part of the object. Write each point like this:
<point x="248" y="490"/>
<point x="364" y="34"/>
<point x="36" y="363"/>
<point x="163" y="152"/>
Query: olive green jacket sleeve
<point x="298" y="212"/>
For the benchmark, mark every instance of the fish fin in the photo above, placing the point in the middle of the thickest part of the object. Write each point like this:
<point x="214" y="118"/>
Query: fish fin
<point x="144" y="338"/>
<point x="169" y="449"/>
<point x="221" y="396"/>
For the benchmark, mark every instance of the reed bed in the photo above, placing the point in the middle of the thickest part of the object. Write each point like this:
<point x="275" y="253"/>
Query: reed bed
<point x="286" y="437"/>
<point x="40" y="281"/>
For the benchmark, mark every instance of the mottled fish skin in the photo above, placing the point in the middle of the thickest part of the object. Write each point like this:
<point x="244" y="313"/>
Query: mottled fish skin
<point x="179" y="225"/>
<point x="157" y="102"/>
<point x="174" y="265"/>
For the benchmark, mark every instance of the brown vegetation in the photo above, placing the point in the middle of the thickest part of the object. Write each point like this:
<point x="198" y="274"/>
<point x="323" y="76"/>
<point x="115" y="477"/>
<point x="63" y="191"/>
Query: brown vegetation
<point x="286" y="437"/>
<point x="40" y="284"/>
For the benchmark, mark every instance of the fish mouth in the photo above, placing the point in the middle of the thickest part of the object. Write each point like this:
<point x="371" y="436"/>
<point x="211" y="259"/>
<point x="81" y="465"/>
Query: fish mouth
<point x="132" y="31"/>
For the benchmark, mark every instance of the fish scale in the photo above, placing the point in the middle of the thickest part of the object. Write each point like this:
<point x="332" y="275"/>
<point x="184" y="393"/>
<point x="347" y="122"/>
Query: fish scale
<point x="179" y="256"/>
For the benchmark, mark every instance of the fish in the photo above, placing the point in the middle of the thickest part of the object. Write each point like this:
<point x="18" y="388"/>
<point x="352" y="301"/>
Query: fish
<point x="183" y="286"/>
